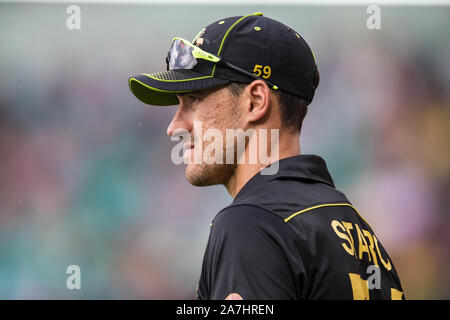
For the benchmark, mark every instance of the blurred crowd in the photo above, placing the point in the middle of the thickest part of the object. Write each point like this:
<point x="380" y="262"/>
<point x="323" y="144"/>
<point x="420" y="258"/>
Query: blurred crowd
<point x="85" y="170"/>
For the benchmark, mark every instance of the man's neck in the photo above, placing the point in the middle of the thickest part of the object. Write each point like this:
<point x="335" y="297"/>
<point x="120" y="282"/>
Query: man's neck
<point x="244" y="172"/>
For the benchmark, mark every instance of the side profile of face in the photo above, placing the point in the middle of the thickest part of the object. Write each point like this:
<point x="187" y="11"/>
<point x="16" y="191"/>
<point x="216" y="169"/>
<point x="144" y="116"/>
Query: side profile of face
<point x="216" y="109"/>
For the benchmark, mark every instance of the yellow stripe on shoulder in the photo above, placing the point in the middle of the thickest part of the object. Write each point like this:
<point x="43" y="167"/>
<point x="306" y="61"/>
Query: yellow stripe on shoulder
<point x="324" y="205"/>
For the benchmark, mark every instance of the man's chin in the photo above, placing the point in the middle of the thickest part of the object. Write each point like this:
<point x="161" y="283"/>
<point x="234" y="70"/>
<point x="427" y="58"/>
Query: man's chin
<point x="198" y="175"/>
<point x="202" y="175"/>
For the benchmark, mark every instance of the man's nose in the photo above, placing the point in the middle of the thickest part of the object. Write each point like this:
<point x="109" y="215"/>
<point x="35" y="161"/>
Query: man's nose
<point x="180" y="122"/>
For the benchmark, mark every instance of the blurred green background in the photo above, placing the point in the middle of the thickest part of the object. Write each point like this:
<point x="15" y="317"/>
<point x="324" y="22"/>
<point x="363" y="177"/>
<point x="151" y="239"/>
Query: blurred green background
<point x="85" y="170"/>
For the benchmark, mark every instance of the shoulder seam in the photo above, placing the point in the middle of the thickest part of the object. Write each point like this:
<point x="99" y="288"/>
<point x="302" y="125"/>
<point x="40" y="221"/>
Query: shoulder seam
<point x="247" y="204"/>
<point x="340" y="204"/>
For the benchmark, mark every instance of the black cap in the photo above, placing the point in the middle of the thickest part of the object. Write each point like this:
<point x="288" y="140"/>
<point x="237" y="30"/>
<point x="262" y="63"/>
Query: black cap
<point x="257" y="44"/>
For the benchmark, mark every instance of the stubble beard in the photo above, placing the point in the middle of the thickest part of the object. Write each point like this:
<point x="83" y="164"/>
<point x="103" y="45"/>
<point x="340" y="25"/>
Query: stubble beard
<point x="205" y="174"/>
<point x="208" y="174"/>
<point x="202" y="175"/>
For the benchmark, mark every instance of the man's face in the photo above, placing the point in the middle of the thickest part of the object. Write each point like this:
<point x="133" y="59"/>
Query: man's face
<point x="214" y="109"/>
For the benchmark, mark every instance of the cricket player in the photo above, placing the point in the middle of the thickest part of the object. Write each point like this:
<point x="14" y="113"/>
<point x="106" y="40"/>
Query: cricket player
<point x="288" y="233"/>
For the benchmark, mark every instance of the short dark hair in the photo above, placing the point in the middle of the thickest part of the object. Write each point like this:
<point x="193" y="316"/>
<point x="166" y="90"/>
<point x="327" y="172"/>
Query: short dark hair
<point x="293" y="108"/>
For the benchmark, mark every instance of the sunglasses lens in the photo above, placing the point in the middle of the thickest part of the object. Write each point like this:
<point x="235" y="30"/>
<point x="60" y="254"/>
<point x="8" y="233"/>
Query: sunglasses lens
<point x="180" y="56"/>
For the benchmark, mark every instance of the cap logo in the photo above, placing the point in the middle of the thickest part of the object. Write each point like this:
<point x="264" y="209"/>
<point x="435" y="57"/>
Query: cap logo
<point x="198" y="40"/>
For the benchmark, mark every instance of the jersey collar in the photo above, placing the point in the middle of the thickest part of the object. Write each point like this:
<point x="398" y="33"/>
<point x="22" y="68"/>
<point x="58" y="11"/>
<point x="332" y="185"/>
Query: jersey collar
<point x="307" y="167"/>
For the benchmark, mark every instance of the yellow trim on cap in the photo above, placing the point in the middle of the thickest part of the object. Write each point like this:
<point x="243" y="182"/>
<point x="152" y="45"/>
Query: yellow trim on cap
<point x="228" y="31"/>
<point x="152" y="88"/>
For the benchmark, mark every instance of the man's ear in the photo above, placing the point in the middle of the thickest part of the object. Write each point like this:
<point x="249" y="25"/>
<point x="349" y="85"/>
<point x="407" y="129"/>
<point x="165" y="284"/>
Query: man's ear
<point x="257" y="102"/>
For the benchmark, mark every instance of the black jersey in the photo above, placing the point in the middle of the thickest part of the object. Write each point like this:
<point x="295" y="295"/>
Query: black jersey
<point x="292" y="235"/>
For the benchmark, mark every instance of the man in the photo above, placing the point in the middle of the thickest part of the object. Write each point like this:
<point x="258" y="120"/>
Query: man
<point x="288" y="234"/>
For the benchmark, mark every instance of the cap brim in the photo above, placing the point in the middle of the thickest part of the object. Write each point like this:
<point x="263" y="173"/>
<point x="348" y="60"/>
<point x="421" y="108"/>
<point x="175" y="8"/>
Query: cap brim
<point x="160" y="88"/>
